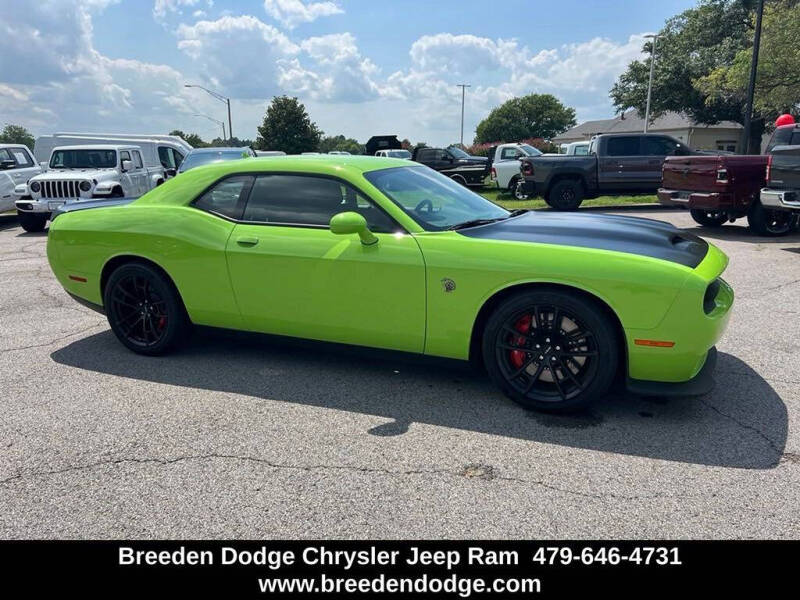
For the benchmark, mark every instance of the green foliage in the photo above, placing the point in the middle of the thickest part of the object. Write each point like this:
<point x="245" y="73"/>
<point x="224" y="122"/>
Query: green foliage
<point x="194" y="140"/>
<point x="690" y="46"/>
<point x="341" y="144"/>
<point x="287" y="127"/>
<point x="17" y="134"/>
<point x="534" y="115"/>
<point x="778" y="79"/>
<point x="233" y="142"/>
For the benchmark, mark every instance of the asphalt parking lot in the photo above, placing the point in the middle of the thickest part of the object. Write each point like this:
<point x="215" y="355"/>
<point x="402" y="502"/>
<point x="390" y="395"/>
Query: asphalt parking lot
<point x="239" y="438"/>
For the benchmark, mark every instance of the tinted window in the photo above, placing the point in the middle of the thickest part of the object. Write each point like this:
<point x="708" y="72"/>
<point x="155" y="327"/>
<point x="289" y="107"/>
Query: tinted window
<point x="784" y="136"/>
<point x="226" y="197"/>
<point x="166" y="158"/>
<point x="659" y="146"/>
<point x="458" y="152"/>
<point x="308" y="200"/>
<point x="622" y="146"/>
<point x="426" y="154"/>
<point x="83" y="159"/>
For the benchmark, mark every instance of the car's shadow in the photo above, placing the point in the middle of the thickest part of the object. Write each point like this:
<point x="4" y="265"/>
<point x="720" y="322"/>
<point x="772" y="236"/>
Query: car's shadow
<point x="743" y="423"/>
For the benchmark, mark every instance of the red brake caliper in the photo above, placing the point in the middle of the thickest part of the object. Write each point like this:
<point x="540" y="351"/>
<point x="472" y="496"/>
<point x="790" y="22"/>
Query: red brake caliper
<point x="522" y="325"/>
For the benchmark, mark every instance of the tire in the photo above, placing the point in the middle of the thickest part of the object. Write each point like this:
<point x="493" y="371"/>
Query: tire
<point x="566" y="194"/>
<point x="532" y="382"/>
<point x="32" y="222"/>
<point x="709" y="218"/>
<point x="117" y="193"/>
<point x="515" y="188"/>
<point x="139" y="295"/>
<point x="459" y="179"/>
<point x="771" y="223"/>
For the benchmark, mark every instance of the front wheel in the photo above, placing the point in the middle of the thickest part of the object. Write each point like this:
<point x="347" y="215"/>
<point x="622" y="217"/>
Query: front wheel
<point x="768" y="222"/>
<point x="565" y="195"/>
<point x="550" y="350"/>
<point x="709" y="218"/>
<point x="144" y="309"/>
<point x="32" y="222"/>
<point x="517" y="189"/>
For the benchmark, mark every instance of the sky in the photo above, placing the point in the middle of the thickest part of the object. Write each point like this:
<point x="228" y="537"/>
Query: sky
<point x="361" y="67"/>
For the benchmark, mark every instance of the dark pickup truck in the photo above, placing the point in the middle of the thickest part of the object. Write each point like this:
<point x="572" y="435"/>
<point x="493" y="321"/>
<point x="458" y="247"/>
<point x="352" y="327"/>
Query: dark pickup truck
<point x="721" y="189"/>
<point x="616" y="164"/>
<point x="783" y="172"/>
<point x="455" y="163"/>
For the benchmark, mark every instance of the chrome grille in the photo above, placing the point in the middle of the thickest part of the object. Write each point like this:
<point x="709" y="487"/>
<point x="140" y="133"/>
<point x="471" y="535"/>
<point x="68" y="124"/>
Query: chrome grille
<point x="60" y="189"/>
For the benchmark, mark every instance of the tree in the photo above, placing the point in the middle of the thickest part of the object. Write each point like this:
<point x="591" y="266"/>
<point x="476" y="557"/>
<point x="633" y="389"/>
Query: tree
<point x="690" y="46"/>
<point x="406" y="144"/>
<point x="17" y="134"/>
<point x="534" y="115"/>
<point x="340" y="143"/>
<point x="233" y="142"/>
<point x="192" y="139"/>
<point x="778" y="79"/>
<point x="288" y="127"/>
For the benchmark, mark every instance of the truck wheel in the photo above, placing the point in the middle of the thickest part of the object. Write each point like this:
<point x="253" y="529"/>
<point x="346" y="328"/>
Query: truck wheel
<point x="516" y="188"/>
<point x="768" y="222"/>
<point x="709" y="218"/>
<point x="32" y="222"/>
<point x="566" y="194"/>
<point x="459" y="179"/>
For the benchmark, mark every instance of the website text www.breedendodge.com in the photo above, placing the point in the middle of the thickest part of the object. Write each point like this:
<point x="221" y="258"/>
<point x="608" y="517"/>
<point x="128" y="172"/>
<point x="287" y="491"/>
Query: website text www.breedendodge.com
<point x="462" y="572"/>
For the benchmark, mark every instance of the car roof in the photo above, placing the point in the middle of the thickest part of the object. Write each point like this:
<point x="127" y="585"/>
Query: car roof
<point x="97" y="147"/>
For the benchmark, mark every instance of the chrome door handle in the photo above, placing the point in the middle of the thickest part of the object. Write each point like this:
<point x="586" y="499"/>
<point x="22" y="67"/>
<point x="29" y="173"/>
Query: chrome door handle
<point x="247" y="241"/>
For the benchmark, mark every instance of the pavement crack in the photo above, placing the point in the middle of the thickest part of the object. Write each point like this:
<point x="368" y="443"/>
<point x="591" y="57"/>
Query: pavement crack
<point x="778" y="451"/>
<point x="51" y="342"/>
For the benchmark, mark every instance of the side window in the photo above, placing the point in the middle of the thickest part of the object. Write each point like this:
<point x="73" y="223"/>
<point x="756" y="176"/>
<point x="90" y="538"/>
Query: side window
<point x="166" y="158"/>
<point x="426" y="155"/>
<point x="227" y="197"/>
<point x="660" y="146"/>
<point x="623" y="146"/>
<point x="509" y="153"/>
<point x="124" y="155"/>
<point x="309" y="200"/>
<point x="137" y="159"/>
<point x="5" y="155"/>
<point x="23" y="158"/>
<point x="443" y="155"/>
<point x="177" y="157"/>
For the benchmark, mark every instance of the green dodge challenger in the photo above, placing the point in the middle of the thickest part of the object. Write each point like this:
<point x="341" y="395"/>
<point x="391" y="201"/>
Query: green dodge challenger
<point x="386" y="253"/>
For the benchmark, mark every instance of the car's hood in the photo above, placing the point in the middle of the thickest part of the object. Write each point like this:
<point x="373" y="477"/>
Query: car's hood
<point x="645" y="237"/>
<point x="76" y="174"/>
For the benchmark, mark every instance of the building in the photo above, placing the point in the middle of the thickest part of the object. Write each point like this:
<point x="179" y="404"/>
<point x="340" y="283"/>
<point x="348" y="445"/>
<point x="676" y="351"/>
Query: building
<point x="724" y="135"/>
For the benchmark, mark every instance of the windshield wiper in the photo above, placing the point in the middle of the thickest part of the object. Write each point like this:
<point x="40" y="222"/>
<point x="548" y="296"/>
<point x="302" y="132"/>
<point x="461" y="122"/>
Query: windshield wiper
<point x="473" y="223"/>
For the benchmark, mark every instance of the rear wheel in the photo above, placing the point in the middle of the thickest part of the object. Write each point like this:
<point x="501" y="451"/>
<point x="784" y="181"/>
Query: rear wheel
<point x="517" y="188"/>
<point x="32" y="222"/>
<point x="566" y="194"/>
<point x="768" y="222"/>
<point x="550" y="350"/>
<point x="709" y="218"/>
<point x="459" y="179"/>
<point x="144" y="310"/>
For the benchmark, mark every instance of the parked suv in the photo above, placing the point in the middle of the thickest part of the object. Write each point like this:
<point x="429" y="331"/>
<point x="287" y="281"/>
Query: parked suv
<point x="78" y="173"/>
<point x="455" y="163"/>
<point x="783" y="171"/>
<point x="17" y="166"/>
<point x="620" y="163"/>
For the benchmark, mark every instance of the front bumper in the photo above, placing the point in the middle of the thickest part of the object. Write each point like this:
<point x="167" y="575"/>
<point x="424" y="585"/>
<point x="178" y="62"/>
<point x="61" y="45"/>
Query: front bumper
<point x="700" y="384"/>
<point x="41" y="206"/>
<point x="780" y="199"/>
<point x="711" y="201"/>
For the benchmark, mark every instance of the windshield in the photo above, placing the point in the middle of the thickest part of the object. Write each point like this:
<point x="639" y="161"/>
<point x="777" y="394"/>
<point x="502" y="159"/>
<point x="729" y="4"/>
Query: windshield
<point x="530" y="150"/>
<point x="434" y="201"/>
<point x="399" y="153"/>
<point x="203" y="158"/>
<point x="458" y="152"/>
<point x="83" y="159"/>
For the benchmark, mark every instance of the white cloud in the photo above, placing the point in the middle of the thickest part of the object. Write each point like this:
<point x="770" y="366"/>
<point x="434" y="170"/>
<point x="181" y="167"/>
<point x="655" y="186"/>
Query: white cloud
<point x="292" y="13"/>
<point x="163" y="7"/>
<point x="14" y="94"/>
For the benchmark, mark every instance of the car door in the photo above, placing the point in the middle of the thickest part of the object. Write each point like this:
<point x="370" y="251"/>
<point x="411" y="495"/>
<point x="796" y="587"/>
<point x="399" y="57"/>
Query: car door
<point x="139" y="173"/>
<point x="655" y="149"/>
<point x="622" y="166"/>
<point x="292" y="276"/>
<point x="21" y="171"/>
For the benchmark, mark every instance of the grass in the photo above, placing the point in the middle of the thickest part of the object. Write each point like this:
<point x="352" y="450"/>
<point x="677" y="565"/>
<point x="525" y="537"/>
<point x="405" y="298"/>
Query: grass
<point x="506" y="200"/>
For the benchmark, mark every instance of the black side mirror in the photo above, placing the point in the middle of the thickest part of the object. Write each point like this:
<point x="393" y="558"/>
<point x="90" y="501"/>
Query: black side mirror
<point x="170" y="172"/>
<point x="7" y="164"/>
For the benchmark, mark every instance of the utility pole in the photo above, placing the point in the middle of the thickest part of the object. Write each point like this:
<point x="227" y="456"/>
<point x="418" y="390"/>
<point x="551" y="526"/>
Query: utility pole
<point x="751" y="88"/>
<point x="219" y="97"/>
<point x="463" y="87"/>
<point x="654" y="37"/>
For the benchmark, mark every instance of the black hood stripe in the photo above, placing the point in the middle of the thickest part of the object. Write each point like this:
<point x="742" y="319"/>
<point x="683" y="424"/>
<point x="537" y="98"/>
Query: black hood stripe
<point x="632" y="235"/>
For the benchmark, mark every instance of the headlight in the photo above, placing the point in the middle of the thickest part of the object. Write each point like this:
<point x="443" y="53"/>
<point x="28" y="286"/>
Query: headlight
<point x="36" y="186"/>
<point x="85" y="186"/>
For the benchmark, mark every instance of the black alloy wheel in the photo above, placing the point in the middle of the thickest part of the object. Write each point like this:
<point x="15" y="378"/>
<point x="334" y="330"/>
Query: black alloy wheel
<point x="709" y="218"/>
<point x="143" y="309"/>
<point x="566" y="194"/>
<point x="552" y="351"/>
<point x="769" y="222"/>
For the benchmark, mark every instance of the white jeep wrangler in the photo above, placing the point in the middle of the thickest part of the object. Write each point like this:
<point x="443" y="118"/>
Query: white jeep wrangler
<point x="80" y="173"/>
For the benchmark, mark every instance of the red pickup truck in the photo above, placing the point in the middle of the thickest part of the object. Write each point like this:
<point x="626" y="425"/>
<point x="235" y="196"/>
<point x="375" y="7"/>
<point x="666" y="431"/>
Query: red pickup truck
<point x="718" y="189"/>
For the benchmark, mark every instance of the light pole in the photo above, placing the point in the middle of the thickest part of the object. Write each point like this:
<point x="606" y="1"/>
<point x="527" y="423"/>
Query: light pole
<point x="654" y="37"/>
<point x="463" y="87"/>
<point x="219" y="97"/>
<point x="751" y="88"/>
<point x="218" y="122"/>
